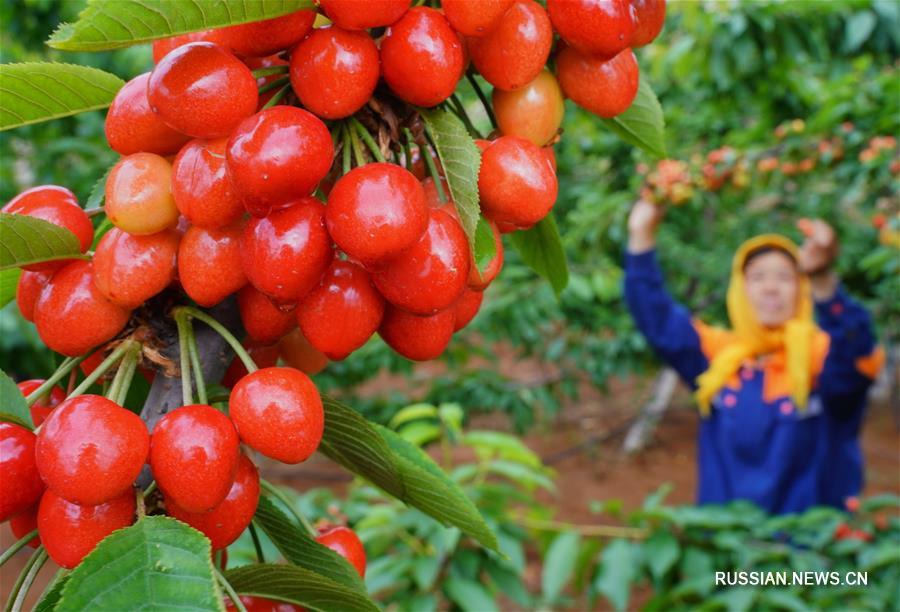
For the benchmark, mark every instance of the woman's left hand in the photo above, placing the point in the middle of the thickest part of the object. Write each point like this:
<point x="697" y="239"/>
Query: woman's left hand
<point x="820" y="248"/>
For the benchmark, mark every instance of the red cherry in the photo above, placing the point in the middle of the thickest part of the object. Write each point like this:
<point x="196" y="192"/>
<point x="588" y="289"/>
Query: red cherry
<point x="334" y="71"/>
<point x="422" y="58"/>
<point x="376" y="211"/>
<point x="129" y="270"/>
<point x="259" y="38"/>
<point x="516" y="183"/>
<point x="225" y="523"/>
<point x="72" y="316"/>
<point x="605" y="87"/>
<point x="261" y="604"/>
<point x="70" y="531"/>
<point x="466" y="308"/>
<point x="347" y="544"/>
<point x="414" y="337"/>
<point x="276" y="156"/>
<point x="286" y="253"/>
<point x="649" y="18"/>
<point x="852" y="504"/>
<point x="194" y="453"/>
<point x="56" y="205"/>
<point x="533" y="112"/>
<point x="263" y="321"/>
<point x="431" y="274"/>
<point x="515" y="51"/>
<point x="24" y="523"/>
<point x="132" y="126"/>
<point x="209" y="263"/>
<point x="263" y="356"/>
<point x="278" y="412"/>
<point x="163" y="46"/>
<point x="342" y="312"/>
<point x="202" y="90"/>
<point x="474" y="18"/>
<point x="200" y="186"/>
<point x="90" y="449"/>
<point x="297" y="352"/>
<point x="139" y="194"/>
<point x="480" y="279"/>
<point x="40" y="410"/>
<point x="597" y="27"/>
<point x="20" y="484"/>
<point x="355" y="15"/>
<point x="28" y="290"/>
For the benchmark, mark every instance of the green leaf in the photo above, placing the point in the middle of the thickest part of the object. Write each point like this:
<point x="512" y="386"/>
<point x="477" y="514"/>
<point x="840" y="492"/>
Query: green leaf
<point x="27" y="240"/>
<point x="618" y="569"/>
<point x="661" y="551"/>
<point x="12" y="403"/>
<point x="9" y="280"/>
<point x="420" y="433"/>
<point x="112" y="24"/>
<point x="559" y="564"/>
<point x="413" y="412"/>
<point x="642" y="124"/>
<point x="157" y="563"/>
<point x="98" y="191"/>
<point x="461" y="161"/>
<point x="879" y="502"/>
<point x="300" y="549"/>
<point x="429" y="489"/>
<point x="32" y="92"/>
<point x="542" y="250"/>
<point x="297" y="585"/>
<point x="50" y="597"/>
<point x="469" y="595"/>
<point x="484" y="246"/>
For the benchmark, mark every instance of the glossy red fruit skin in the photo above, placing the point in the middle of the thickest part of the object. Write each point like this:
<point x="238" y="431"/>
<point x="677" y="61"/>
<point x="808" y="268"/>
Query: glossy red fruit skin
<point x="90" y="449"/>
<point x="164" y="46"/>
<point x="422" y="57"/>
<point x="516" y="183"/>
<point x="129" y="270"/>
<point x="72" y="316"/>
<point x="259" y="38"/>
<point x="201" y="187"/>
<point x="355" y="15"/>
<point x="342" y="312"/>
<point x="20" y="483"/>
<point x="417" y="338"/>
<point x="132" y="126"/>
<point x="466" y="308"/>
<point x="70" y="531"/>
<point x="334" y="71"/>
<point x="376" y="211"/>
<point x="286" y="253"/>
<point x="649" y="18"/>
<point x="516" y="50"/>
<point x="41" y="408"/>
<point x="431" y="274"/>
<point x="139" y="194"/>
<point x="56" y="205"/>
<point x="604" y="87"/>
<point x="24" y="523"/>
<point x="480" y="279"/>
<point x="202" y="90"/>
<point x="209" y="263"/>
<point x="278" y="412"/>
<point x="297" y="352"/>
<point x="194" y="453"/>
<point x="276" y="156"/>
<point x="347" y="544"/>
<point x="261" y="604"/>
<point x="263" y="321"/>
<point x="474" y="18"/>
<point x="225" y="523"/>
<point x="28" y="290"/>
<point x="263" y="356"/>
<point x="602" y="28"/>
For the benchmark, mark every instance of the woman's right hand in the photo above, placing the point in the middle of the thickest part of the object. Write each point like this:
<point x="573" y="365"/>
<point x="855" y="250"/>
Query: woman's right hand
<point x="642" y="223"/>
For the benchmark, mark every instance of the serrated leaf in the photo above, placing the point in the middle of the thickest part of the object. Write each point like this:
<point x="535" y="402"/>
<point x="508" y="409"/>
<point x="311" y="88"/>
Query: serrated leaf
<point x="559" y="564"/>
<point x="12" y="403"/>
<point x="51" y="596"/>
<point x="27" y="240"/>
<point x="157" y="564"/>
<point x="9" y="280"/>
<point x="642" y="124"/>
<point x="298" y="586"/>
<point x="300" y="549"/>
<point x="112" y="24"/>
<point x="98" y="191"/>
<point x="461" y="161"/>
<point x="484" y="246"/>
<point x="542" y="250"/>
<point x="32" y="92"/>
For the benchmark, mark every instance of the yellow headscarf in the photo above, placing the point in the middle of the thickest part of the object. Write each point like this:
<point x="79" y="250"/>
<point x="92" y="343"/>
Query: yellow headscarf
<point x="749" y="339"/>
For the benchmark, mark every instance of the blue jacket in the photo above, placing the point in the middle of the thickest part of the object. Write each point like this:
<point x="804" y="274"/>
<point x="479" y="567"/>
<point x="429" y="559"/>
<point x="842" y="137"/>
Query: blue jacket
<point x="784" y="460"/>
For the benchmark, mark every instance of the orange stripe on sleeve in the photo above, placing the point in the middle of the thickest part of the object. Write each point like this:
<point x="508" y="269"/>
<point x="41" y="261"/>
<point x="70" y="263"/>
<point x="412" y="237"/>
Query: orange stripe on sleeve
<point x="871" y="364"/>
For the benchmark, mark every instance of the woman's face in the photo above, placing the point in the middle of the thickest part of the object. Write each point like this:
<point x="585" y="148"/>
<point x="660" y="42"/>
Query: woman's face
<point x="771" y="282"/>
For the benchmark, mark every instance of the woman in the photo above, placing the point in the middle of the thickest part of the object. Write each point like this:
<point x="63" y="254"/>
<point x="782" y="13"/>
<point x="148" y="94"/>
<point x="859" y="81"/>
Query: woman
<point x="782" y="398"/>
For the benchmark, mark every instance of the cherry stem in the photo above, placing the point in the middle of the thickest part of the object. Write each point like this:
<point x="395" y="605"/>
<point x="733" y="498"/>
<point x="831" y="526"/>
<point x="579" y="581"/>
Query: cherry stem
<point x="139" y="503"/>
<point x="407" y="149"/>
<point x="346" y="162"/>
<point x="269" y="71"/>
<point x="256" y="543"/>
<point x="232" y="595"/>
<point x="357" y="147"/>
<point x="18" y="545"/>
<point x="26" y="579"/>
<point x="93" y="212"/>
<point x="432" y="168"/>
<point x="195" y="366"/>
<point x="190" y="358"/>
<point x="118" y="390"/>
<point x="367" y="138"/>
<point x="64" y="368"/>
<point x="233" y="342"/>
<point x="279" y="494"/>
<point x="105" y="365"/>
<point x="484" y="101"/>
<point x="273" y="85"/>
<point x="73" y="377"/>
<point x="277" y="97"/>
<point x="460" y="111"/>
<point x="184" y="358"/>
<point x="150" y="489"/>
